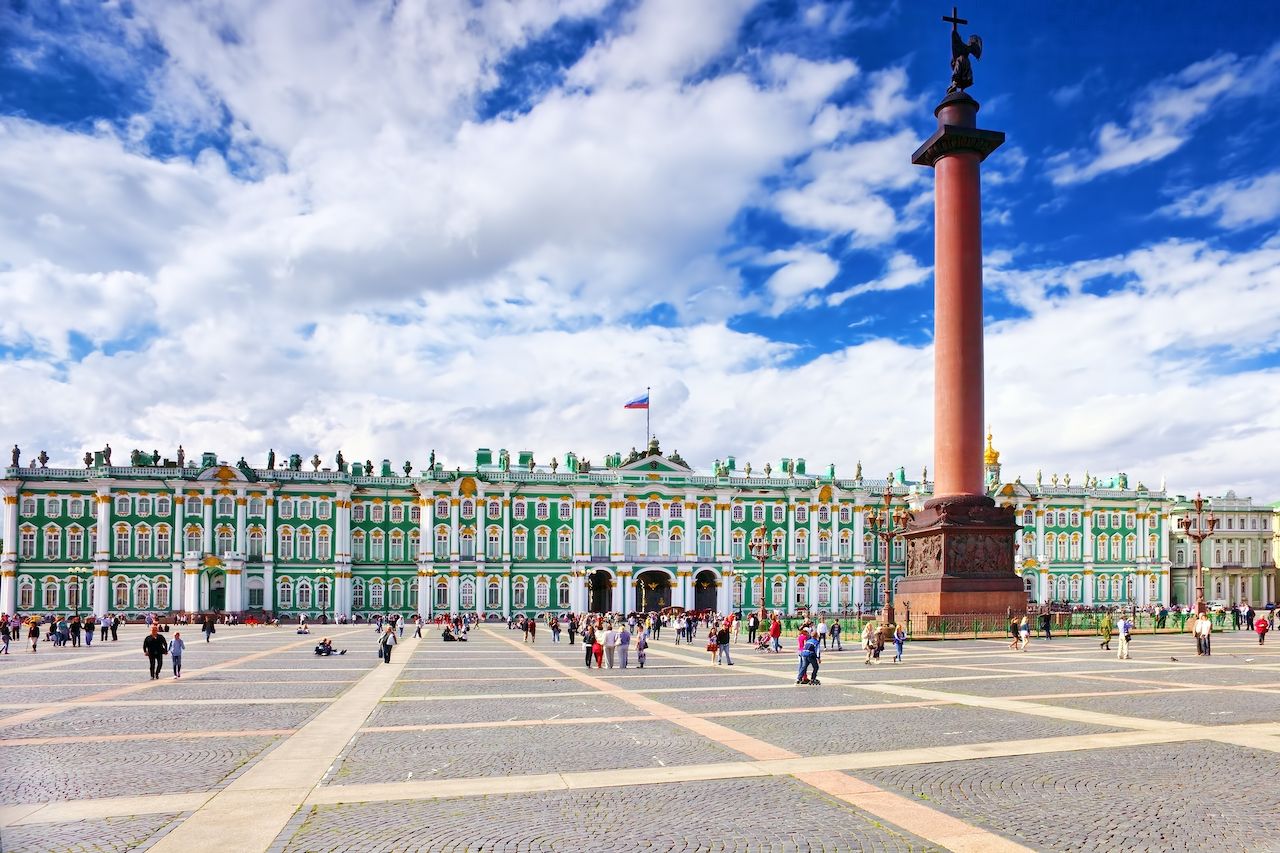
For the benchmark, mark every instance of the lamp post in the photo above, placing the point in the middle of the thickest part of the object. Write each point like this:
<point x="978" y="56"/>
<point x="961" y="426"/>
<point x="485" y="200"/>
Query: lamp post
<point x="74" y="580"/>
<point x="762" y="548"/>
<point x="1197" y="532"/>
<point x="888" y="523"/>
<point x="326" y="581"/>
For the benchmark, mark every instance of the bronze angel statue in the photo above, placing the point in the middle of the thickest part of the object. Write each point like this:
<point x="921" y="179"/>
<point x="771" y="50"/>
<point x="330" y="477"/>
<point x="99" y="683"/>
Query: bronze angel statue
<point x="961" y="69"/>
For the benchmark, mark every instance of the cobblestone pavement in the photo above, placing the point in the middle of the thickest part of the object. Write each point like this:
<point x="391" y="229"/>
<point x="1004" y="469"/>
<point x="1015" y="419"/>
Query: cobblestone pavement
<point x="1128" y="799"/>
<point x="496" y="751"/>
<point x="775" y="815"/>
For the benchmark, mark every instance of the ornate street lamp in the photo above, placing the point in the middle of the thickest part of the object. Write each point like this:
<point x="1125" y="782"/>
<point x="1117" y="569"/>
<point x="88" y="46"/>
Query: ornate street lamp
<point x="762" y="548"/>
<point x="1201" y="530"/>
<point x="888" y="523"/>
<point x="326" y="577"/>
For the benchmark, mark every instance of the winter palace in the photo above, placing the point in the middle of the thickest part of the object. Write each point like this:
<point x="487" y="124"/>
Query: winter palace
<point x="508" y="535"/>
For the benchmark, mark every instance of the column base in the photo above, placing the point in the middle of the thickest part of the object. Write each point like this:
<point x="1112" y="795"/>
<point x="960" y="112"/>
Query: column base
<point x="960" y="559"/>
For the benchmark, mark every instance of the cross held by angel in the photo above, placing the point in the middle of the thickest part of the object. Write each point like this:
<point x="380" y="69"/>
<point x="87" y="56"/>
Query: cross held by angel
<point x="961" y="68"/>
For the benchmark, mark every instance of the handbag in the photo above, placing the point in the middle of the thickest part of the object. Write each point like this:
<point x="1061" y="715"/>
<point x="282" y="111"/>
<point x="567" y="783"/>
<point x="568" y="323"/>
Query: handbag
<point x="711" y="647"/>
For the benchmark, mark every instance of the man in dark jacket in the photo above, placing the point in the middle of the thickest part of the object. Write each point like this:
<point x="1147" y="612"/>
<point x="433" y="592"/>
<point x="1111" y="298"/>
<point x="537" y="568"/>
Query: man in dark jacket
<point x="155" y="647"/>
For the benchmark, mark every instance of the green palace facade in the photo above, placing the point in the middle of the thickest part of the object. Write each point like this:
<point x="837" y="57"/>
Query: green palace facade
<point x="507" y="535"/>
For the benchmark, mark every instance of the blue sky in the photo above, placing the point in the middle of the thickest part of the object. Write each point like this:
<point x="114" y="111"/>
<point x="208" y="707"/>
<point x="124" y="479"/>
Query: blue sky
<point x="397" y="227"/>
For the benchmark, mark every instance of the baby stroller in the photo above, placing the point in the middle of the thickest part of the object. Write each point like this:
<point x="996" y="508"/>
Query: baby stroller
<point x="764" y="644"/>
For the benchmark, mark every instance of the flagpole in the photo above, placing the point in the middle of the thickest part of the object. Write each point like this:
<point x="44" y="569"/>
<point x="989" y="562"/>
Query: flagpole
<point x="648" y="432"/>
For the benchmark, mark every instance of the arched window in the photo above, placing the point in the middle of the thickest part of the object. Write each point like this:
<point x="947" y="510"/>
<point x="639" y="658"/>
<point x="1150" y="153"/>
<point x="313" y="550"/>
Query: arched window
<point x="739" y="545"/>
<point x="802" y="545"/>
<point x="53" y="543"/>
<point x="1103" y="548"/>
<point x="738" y="589"/>
<point x="467" y="509"/>
<point x="122" y="505"/>
<point x="1130" y="547"/>
<point x="304" y="594"/>
<point x="564" y="544"/>
<point x="1115" y="587"/>
<point x="192" y="505"/>
<point x="542" y="592"/>
<point x="377" y="547"/>
<point x="141" y="594"/>
<point x="442" y="541"/>
<point x="142" y="535"/>
<point x="442" y="594"/>
<point x="397" y="546"/>
<point x="357" y="594"/>
<point x="653" y="543"/>
<point x="738" y="513"/>
<point x="600" y="543"/>
<point x="226" y="506"/>
<point x="1075" y="588"/>
<point x="778" y="595"/>
<point x="27" y="594"/>
<point x="358" y="546"/>
<point x="467" y="594"/>
<point x="802" y="591"/>
<point x="323" y="594"/>
<point x="631" y="510"/>
<point x="1063" y="589"/>
<point x="1075" y="546"/>
<point x="493" y="594"/>
<point x="599" y="509"/>
<point x="493" y="543"/>
<point x="324" y="545"/>
<point x="74" y="588"/>
<point x="304" y="543"/>
<point x="194" y="538"/>
<point x="846" y="545"/>
<point x="1128" y="587"/>
<point x="284" y="594"/>
<point x="824" y="592"/>
<point x="51" y="593"/>
<point x="542" y="544"/>
<point x="630" y="544"/>
<point x="162" y="594"/>
<point x="395" y="594"/>
<point x="442" y="508"/>
<point x="122" y="541"/>
<point x="846" y="592"/>
<point x="675" y="544"/>
<point x="257" y="508"/>
<point x="653" y="510"/>
<point x="676" y="510"/>
<point x="121" y="599"/>
<point x="562" y="593"/>
<point x="226" y="540"/>
<point x="415" y="544"/>
<point x="164" y="545"/>
<point x="824" y="546"/>
<point x="824" y="514"/>
<point x="520" y="544"/>
<point x="285" y="549"/>
<point x="377" y="594"/>
<point x="519" y="594"/>
<point x="1028" y="518"/>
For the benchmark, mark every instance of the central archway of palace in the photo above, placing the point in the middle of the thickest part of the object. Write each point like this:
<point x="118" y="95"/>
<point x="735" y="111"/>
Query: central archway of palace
<point x="653" y="591"/>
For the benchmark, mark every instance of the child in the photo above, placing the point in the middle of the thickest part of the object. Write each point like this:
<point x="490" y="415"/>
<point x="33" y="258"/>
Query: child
<point x="809" y="660"/>
<point x="899" y="638"/>
<point x="175" y="652"/>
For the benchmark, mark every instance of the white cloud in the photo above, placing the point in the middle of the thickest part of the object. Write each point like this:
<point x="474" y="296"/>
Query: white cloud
<point x="902" y="271"/>
<point x="1234" y="204"/>
<point x="802" y="272"/>
<point x="1166" y="114"/>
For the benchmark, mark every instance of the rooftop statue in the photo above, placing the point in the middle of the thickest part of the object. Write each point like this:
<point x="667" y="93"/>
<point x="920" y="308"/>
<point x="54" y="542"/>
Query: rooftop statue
<point x="961" y="68"/>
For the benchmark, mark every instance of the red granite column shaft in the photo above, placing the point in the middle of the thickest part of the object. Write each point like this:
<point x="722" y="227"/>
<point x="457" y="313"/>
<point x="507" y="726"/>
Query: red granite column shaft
<point x="958" y="363"/>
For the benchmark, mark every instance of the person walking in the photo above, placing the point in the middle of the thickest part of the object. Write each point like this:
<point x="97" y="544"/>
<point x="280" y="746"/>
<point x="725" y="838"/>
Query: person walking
<point x="835" y="635"/>
<point x="1124" y="627"/>
<point x="176" y="647"/>
<point x="33" y="633"/>
<point x="115" y="627"/>
<point x="208" y="627"/>
<point x="1261" y="625"/>
<point x="713" y="646"/>
<point x="1024" y="634"/>
<point x="1105" y="629"/>
<point x="90" y="628"/>
<point x="588" y="640"/>
<point x="753" y="625"/>
<point x="597" y="648"/>
<point x="642" y="648"/>
<point x="822" y="632"/>
<point x="722" y="644"/>
<point x="869" y="640"/>
<point x="775" y="633"/>
<point x="899" y="640"/>
<point x="154" y="647"/>
<point x="1204" y="634"/>
<point x="573" y="627"/>
<point x="1046" y="625"/>
<point x="624" y="646"/>
<point x="610" y="645"/>
<point x="531" y="625"/>
<point x="5" y="635"/>
<point x="386" y="643"/>
<point x="809" y="659"/>
<point x="106" y="624"/>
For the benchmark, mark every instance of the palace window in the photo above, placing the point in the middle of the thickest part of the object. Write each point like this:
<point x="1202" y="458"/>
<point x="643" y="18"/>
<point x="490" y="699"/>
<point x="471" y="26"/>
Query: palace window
<point x="778" y="513"/>
<point x="542" y="544"/>
<point x="357" y="594"/>
<point x="192" y="505"/>
<point x="824" y="547"/>
<point x="519" y="594"/>
<point x="542" y="510"/>
<point x="1103" y="548"/>
<point x="75" y="507"/>
<point x="562" y="593"/>
<point x="705" y="546"/>
<point x="255" y="542"/>
<point x="495" y="510"/>
<point x="1075" y="519"/>
<point x="226" y="541"/>
<point x="359" y="546"/>
<point x="52" y="507"/>
<point x="122" y="541"/>
<point x="304" y="595"/>
<point x="442" y="508"/>
<point x="493" y="543"/>
<point x="141" y="595"/>
<point x="226" y="506"/>
<point x="738" y="590"/>
<point x="779" y="593"/>
<point x="1130" y="547"/>
<point x="845" y="515"/>
<point x="738" y="513"/>
<point x="377" y="547"/>
<point x="376" y="513"/>
<point x="846" y="591"/>
<point x="26" y="594"/>
<point x="599" y="509"/>
<point x="1102" y="519"/>
<point x="802" y="591"/>
<point x="144" y="543"/>
<point x="442" y="594"/>
<point x="802" y="513"/>
<point x="1028" y="518"/>
<point x="676" y="510"/>
<point x="846" y="546"/>
<point x="415" y="512"/>
<point x="802" y="546"/>
<point x="467" y="509"/>
<point x="304" y="543"/>
<point x="1075" y="546"/>
<point x="520" y="544"/>
<point x="467" y="545"/>
<point x="395" y="594"/>
<point x="824" y="592"/>
<point x="52" y="543"/>
<point x="1131" y="521"/>
<point x="564" y="545"/>
<point x="304" y="509"/>
<point x="324" y="509"/>
<point x="739" y="545"/>
<point x="121" y="595"/>
<point x="324" y="545"/>
<point x="397" y="513"/>
<point x="467" y="594"/>
<point x="779" y="543"/>
<point x="757" y="512"/>
<point x="563" y="510"/>
<point x="322" y="594"/>
<point x="284" y="594"/>
<point x="286" y="508"/>
<point x="824" y="514"/>
<point x="519" y="510"/>
<point x="415" y="543"/>
<point x="1115" y="520"/>
<point x="493" y="594"/>
<point x="285" y="551"/>
<point x="705" y="511"/>
<point x="600" y="544"/>
<point x="653" y="544"/>
<point x="631" y="510"/>
<point x="28" y="506"/>
<point x="193" y="538"/>
<point x="442" y="541"/>
<point x="541" y="593"/>
<point x="630" y="545"/>
<point x="397" y="547"/>
<point x="675" y="543"/>
<point x="377" y="594"/>
<point x="75" y="544"/>
<point x="357" y="512"/>
<point x="653" y="510"/>
<point x="1062" y="519"/>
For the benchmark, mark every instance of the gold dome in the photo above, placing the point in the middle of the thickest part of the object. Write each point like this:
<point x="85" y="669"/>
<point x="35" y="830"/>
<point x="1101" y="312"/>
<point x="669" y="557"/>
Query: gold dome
<point x="990" y="456"/>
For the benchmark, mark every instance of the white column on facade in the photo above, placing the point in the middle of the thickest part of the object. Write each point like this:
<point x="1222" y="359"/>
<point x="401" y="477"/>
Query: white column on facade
<point x="666" y="531"/>
<point x="1087" y="533"/>
<point x="102" y="553"/>
<point x="506" y="591"/>
<point x="506" y="539"/>
<point x="617" y="586"/>
<point x="813" y="532"/>
<point x="720" y="512"/>
<point x="9" y="557"/>
<point x="269" y="550"/>
<point x="1038" y="550"/>
<point x="190" y="585"/>
<point x="207" y="536"/>
<point x="242" y="523"/>
<point x="615" y="526"/>
<point x="790" y="604"/>
<point x="177" y="541"/>
<point x="691" y="527"/>
<point x="1089" y="585"/>
<point x="454" y="501"/>
<point x="480" y="582"/>
<point x="235" y="586"/>
<point x="859" y="588"/>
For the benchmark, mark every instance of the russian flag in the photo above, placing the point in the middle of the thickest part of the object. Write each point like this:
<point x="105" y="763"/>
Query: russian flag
<point x="641" y="402"/>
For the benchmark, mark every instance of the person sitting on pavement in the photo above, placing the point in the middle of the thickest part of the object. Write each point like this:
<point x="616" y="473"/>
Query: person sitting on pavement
<point x="325" y="648"/>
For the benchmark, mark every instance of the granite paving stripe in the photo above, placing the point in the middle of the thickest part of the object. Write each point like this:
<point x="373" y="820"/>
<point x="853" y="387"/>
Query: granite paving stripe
<point x="109" y="835"/>
<point x="183" y="735"/>
<point x="768" y="815"/>
<point x="101" y="720"/>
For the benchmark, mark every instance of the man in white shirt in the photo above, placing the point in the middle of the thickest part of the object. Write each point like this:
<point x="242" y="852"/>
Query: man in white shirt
<point x="822" y="632"/>
<point x="1125" y="627"/>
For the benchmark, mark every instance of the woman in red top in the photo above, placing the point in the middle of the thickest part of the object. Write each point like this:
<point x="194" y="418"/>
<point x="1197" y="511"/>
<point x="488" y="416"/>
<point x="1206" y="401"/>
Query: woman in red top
<point x="1262" y="626"/>
<point x="775" y="634"/>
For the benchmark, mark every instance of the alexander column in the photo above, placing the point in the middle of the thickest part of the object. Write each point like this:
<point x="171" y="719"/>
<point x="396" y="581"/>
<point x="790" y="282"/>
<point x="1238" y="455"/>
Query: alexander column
<point x="960" y="547"/>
